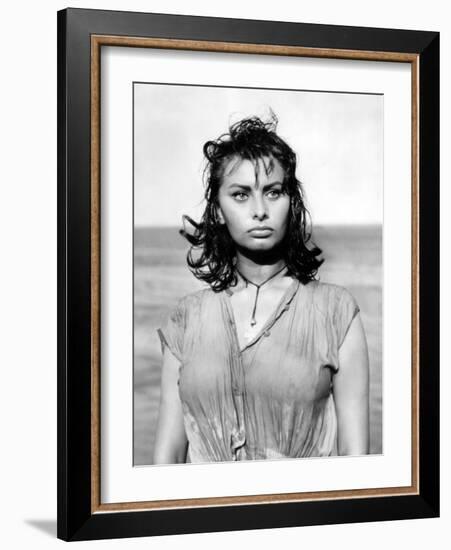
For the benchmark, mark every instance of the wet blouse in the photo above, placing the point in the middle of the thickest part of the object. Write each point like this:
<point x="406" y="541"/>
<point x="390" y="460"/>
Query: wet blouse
<point x="272" y="399"/>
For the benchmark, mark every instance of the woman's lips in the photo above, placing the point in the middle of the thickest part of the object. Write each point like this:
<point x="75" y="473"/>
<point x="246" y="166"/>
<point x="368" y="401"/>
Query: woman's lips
<point x="261" y="231"/>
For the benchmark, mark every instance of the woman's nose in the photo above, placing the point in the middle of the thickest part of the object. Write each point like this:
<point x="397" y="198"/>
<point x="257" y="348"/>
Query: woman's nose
<point x="259" y="206"/>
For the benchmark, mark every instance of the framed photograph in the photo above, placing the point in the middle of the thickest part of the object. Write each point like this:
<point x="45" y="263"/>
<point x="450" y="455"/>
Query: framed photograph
<point x="248" y="252"/>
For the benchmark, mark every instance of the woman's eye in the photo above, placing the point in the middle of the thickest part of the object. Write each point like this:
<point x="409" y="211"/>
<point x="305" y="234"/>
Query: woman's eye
<point x="274" y="193"/>
<point x="240" y="196"/>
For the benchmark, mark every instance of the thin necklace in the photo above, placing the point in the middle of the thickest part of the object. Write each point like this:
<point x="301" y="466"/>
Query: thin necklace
<point x="258" y="286"/>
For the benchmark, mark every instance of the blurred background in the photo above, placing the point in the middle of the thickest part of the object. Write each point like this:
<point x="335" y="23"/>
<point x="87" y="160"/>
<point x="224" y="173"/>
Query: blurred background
<point x="339" y="141"/>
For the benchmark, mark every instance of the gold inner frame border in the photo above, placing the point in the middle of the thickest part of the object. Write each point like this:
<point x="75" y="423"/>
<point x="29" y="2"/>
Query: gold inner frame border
<point x="97" y="41"/>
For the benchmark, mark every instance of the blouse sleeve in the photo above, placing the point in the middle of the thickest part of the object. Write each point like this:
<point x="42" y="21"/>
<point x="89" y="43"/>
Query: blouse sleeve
<point x="347" y="309"/>
<point x="171" y="336"/>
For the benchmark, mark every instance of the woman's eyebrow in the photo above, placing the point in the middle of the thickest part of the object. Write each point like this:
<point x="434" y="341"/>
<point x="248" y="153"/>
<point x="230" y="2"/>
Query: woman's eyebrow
<point x="250" y="187"/>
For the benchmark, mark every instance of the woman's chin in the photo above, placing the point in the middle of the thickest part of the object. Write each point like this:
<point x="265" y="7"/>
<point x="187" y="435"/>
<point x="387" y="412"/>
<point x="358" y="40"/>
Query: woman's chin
<point x="262" y="245"/>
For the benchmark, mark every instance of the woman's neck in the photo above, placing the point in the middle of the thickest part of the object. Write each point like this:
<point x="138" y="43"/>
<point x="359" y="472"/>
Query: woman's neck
<point x="257" y="272"/>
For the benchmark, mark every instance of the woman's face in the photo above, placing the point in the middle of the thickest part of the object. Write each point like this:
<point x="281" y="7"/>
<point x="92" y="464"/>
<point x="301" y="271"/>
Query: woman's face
<point x="253" y="204"/>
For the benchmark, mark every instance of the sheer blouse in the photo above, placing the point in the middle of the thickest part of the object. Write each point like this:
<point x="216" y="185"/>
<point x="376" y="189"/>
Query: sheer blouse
<point x="274" y="397"/>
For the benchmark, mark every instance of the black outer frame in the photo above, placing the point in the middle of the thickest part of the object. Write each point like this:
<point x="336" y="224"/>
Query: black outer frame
<point x="75" y="520"/>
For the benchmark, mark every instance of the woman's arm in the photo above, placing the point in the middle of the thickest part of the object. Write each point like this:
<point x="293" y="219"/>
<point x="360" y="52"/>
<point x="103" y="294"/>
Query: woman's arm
<point x="351" y="392"/>
<point x="170" y="442"/>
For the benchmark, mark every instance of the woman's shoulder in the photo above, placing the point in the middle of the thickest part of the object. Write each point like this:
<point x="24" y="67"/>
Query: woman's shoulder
<point x="194" y="299"/>
<point x="330" y="296"/>
<point x="336" y="304"/>
<point x="320" y="287"/>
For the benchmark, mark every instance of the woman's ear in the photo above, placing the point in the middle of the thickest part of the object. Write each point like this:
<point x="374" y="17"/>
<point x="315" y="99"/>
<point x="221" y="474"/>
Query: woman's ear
<point x="220" y="216"/>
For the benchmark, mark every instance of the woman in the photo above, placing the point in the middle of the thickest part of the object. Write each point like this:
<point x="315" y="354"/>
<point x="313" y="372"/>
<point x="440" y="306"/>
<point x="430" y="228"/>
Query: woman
<point x="267" y="362"/>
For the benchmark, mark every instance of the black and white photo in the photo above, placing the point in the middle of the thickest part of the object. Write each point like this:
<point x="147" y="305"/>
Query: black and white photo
<point x="257" y="273"/>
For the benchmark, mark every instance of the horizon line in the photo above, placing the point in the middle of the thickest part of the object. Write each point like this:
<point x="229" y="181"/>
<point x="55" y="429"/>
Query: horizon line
<point x="332" y="224"/>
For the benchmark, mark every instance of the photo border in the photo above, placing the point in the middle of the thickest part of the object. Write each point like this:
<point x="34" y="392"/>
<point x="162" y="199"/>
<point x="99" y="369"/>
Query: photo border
<point x="81" y="34"/>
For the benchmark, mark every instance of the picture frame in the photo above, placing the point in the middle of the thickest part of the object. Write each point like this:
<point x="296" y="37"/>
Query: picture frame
<point x="81" y="36"/>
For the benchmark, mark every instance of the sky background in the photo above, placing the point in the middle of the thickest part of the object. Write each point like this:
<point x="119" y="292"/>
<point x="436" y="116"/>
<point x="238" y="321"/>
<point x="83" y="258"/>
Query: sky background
<point x="338" y="138"/>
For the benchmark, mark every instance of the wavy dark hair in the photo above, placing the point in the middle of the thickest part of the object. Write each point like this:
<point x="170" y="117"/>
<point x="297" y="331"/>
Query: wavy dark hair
<point x="250" y="139"/>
